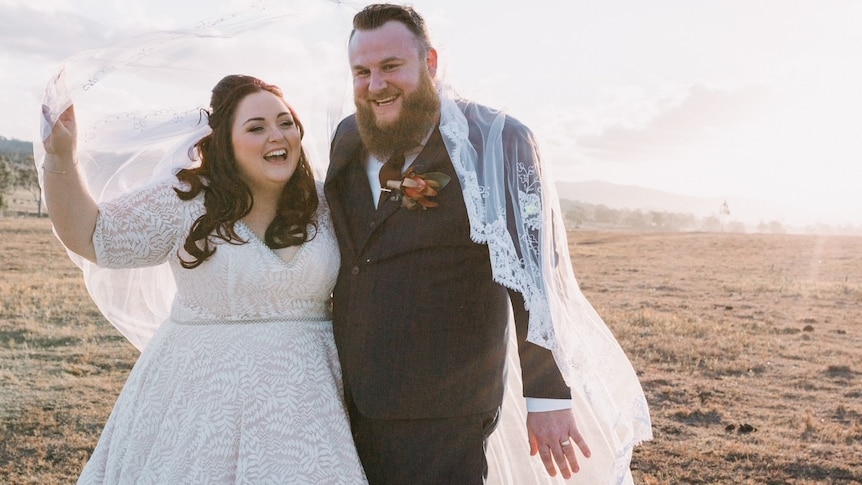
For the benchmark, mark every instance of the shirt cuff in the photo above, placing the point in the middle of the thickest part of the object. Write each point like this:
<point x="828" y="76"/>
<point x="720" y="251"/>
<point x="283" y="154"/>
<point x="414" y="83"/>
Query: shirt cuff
<point x="539" y="405"/>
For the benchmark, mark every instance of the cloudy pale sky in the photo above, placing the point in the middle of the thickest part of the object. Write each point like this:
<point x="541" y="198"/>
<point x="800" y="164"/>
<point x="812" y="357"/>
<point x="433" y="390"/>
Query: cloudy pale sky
<point x="714" y="98"/>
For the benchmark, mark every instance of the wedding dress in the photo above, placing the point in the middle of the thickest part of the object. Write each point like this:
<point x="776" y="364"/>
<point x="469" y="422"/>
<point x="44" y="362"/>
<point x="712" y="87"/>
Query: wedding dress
<point x="242" y="383"/>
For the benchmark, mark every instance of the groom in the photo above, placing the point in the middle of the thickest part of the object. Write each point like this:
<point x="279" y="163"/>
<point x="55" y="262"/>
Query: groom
<point x="420" y="324"/>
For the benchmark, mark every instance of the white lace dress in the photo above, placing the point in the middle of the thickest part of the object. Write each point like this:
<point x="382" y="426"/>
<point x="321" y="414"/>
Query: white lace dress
<point x="242" y="384"/>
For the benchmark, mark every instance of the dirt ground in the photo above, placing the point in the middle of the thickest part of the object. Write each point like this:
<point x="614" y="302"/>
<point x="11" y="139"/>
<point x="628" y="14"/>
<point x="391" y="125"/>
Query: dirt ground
<point x="749" y="348"/>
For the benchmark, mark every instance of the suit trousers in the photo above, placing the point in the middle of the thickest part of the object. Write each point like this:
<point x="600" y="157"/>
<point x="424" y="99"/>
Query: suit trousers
<point x="423" y="451"/>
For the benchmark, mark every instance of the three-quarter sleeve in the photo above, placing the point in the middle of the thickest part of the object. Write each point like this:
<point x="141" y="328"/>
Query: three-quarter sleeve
<point x="143" y="228"/>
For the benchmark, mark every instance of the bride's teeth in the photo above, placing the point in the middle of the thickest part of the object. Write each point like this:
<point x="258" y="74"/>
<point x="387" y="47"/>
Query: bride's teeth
<point x="276" y="153"/>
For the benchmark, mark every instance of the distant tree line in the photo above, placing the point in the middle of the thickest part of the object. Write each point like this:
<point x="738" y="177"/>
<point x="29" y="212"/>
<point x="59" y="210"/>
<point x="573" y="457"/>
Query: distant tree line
<point x="580" y="215"/>
<point x="17" y="170"/>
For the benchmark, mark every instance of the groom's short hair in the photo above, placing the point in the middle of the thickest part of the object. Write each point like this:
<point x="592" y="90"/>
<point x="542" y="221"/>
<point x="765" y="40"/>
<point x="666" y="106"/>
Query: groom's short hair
<point x="375" y="15"/>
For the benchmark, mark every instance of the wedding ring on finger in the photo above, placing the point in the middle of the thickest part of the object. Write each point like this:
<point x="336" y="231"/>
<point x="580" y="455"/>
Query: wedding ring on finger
<point x="566" y="443"/>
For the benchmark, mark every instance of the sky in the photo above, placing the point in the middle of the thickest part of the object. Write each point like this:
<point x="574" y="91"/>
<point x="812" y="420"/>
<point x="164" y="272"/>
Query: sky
<point x="709" y="98"/>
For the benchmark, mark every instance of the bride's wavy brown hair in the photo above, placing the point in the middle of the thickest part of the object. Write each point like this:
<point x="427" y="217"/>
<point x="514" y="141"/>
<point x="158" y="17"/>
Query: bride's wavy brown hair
<point x="227" y="199"/>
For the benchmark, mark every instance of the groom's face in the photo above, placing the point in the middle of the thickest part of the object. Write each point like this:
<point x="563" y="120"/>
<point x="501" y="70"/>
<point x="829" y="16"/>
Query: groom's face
<point x="387" y="70"/>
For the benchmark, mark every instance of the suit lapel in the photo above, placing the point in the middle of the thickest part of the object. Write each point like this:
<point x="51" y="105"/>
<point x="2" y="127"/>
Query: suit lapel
<point x="433" y="154"/>
<point x="346" y="155"/>
<point x="347" y="191"/>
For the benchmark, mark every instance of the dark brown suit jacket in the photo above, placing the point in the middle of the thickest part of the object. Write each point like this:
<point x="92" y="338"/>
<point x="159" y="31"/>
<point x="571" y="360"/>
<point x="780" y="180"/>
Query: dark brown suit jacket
<point x="420" y="325"/>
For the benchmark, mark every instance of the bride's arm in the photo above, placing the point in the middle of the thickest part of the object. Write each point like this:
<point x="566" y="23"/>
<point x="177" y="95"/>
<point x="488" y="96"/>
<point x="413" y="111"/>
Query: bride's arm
<point x="70" y="206"/>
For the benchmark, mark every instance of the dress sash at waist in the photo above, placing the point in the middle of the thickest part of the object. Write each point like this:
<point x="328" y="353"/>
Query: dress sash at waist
<point x="255" y="321"/>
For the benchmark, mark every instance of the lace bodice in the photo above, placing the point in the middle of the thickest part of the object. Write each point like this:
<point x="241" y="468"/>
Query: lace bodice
<point x="239" y="282"/>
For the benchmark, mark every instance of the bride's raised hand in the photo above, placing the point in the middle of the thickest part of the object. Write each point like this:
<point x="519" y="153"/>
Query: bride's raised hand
<point x="63" y="140"/>
<point x="73" y="211"/>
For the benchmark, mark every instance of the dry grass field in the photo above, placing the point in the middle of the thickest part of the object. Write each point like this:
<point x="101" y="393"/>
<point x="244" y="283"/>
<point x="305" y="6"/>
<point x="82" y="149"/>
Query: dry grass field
<point x="749" y="348"/>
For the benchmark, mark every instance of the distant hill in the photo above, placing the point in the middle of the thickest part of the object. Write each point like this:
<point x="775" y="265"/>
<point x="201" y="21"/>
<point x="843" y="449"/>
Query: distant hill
<point x="615" y="196"/>
<point x="15" y="148"/>
<point x="746" y="210"/>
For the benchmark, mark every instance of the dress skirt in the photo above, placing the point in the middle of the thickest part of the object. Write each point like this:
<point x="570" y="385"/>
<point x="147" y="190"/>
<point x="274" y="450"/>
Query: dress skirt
<point x="214" y="402"/>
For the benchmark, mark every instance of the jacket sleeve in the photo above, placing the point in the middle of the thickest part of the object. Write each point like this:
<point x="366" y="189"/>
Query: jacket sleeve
<point x="541" y="376"/>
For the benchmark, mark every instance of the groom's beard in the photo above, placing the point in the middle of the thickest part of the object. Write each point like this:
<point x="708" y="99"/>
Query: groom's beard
<point x="420" y="111"/>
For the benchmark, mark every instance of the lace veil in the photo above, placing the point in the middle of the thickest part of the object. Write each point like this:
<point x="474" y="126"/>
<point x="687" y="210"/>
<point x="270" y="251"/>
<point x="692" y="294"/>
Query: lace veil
<point x="122" y="151"/>
<point x="167" y="76"/>
<point x="514" y="209"/>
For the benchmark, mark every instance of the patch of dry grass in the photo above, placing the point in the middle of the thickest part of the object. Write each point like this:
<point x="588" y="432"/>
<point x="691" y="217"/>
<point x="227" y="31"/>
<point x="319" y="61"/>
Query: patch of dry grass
<point x="61" y="364"/>
<point x="749" y="348"/>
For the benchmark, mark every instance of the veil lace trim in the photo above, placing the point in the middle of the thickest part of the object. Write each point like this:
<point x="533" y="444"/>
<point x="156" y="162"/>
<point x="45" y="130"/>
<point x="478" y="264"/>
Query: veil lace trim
<point x="513" y="208"/>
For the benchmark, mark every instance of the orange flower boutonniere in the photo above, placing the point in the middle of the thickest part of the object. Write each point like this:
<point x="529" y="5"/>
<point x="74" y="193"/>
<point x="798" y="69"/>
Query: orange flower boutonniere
<point x="415" y="189"/>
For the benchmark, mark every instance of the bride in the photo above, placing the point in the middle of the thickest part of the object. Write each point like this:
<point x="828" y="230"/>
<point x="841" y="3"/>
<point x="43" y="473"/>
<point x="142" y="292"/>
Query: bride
<point x="241" y="384"/>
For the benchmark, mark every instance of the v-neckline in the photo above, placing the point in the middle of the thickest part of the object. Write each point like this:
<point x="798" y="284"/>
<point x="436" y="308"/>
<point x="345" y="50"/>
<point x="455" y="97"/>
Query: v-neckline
<point x="252" y="236"/>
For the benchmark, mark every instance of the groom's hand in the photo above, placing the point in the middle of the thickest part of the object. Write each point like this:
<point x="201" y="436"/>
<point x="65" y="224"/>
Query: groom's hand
<point x="554" y="436"/>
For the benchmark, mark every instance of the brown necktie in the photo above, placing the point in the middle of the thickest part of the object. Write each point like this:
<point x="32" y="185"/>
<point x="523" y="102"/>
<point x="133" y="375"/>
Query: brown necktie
<point x="391" y="170"/>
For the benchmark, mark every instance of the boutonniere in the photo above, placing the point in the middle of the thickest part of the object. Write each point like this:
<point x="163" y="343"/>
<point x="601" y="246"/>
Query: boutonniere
<point x="414" y="189"/>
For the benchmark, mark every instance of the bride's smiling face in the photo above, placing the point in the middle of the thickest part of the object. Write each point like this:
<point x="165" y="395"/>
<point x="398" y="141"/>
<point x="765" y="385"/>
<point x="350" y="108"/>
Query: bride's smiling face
<point x="266" y="141"/>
